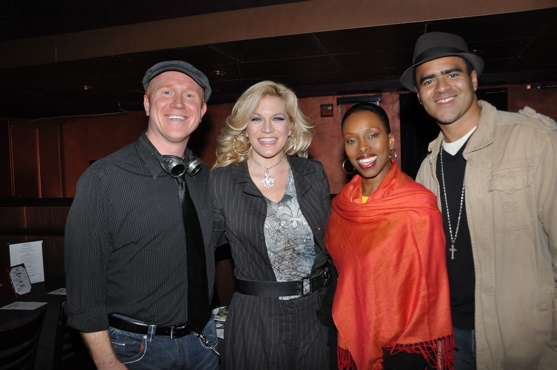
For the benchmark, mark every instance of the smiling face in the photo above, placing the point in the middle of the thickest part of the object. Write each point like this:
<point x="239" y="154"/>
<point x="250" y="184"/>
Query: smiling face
<point x="175" y="107"/>
<point x="447" y="92"/>
<point x="268" y="130"/>
<point x="368" y="145"/>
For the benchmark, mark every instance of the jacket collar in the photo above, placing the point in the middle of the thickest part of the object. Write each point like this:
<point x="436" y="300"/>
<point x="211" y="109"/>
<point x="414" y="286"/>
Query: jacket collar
<point x="481" y="138"/>
<point x="484" y="134"/>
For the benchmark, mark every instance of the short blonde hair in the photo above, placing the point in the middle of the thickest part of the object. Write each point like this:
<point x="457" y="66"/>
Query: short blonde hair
<point x="233" y="145"/>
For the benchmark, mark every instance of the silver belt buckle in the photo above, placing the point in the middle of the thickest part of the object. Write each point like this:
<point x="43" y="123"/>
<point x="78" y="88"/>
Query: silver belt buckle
<point x="177" y="327"/>
<point x="306" y="287"/>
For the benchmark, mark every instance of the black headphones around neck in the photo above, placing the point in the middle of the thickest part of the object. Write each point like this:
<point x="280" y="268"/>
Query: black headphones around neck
<point x="176" y="166"/>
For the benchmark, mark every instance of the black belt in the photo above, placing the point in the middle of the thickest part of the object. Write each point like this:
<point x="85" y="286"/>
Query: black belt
<point x="174" y="331"/>
<point x="285" y="288"/>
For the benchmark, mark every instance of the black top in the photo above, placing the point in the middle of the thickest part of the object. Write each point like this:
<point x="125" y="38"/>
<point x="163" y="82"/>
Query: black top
<point x="125" y="249"/>
<point x="461" y="268"/>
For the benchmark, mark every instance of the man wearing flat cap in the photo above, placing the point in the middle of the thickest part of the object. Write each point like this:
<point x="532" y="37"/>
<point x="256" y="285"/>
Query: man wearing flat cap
<point x="139" y="269"/>
<point x="495" y="177"/>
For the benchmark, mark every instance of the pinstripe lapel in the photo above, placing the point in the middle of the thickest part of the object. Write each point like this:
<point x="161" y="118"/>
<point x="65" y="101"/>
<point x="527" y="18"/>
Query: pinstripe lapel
<point x="301" y="170"/>
<point x="304" y="177"/>
<point x="240" y="174"/>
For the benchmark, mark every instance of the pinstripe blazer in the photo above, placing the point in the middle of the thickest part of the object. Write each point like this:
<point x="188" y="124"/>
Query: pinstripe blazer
<point x="240" y="210"/>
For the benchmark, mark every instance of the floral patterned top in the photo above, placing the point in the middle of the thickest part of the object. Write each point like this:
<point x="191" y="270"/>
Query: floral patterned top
<point x="289" y="239"/>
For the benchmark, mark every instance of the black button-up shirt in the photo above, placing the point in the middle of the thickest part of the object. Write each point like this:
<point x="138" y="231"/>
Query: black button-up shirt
<point x="125" y="246"/>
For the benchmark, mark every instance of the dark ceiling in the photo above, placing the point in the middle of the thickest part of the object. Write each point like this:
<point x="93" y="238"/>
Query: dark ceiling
<point x="517" y="48"/>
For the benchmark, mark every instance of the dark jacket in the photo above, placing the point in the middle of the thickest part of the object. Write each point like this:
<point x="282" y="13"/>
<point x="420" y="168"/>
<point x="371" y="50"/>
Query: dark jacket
<point x="235" y="194"/>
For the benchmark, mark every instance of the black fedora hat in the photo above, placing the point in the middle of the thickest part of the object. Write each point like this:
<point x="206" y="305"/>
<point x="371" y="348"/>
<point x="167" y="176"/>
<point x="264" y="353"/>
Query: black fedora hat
<point x="435" y="45"/>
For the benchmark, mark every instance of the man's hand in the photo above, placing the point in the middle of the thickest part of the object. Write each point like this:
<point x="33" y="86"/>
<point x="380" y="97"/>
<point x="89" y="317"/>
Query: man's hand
<point x="101" y="349"/>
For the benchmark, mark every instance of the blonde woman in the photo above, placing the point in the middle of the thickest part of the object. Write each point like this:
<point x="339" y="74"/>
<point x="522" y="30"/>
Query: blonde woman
<point x="271" y="205"/>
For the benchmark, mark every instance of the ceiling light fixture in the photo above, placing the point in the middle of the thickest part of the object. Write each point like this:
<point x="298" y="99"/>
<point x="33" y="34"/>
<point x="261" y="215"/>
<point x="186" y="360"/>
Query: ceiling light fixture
<point x="218" y="73"/>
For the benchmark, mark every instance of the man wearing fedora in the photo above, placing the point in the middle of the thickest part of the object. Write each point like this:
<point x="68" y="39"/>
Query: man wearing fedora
<point x="495" y="177"/>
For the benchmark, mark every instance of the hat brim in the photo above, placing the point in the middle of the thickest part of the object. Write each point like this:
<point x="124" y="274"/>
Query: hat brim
<point x="407" y="78"/>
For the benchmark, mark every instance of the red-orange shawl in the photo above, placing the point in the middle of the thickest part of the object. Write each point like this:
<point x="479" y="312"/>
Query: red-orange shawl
<point x="393" y="290"/>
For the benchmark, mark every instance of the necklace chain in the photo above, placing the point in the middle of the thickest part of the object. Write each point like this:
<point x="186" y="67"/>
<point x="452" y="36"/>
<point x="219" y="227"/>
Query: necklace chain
<point x="452" y="249"/>
<point x="268" y="180"/>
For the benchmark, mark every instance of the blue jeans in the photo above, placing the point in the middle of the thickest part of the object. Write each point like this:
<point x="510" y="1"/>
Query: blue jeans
<point x="465" y="352"/>
<point x="138" y="351"/>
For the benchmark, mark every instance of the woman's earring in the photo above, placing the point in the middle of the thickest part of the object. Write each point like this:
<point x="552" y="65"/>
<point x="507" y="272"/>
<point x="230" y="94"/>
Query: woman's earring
<point x="237" y="152"/>
<point x="344" y="168"/>
<point x="391" y="156"/>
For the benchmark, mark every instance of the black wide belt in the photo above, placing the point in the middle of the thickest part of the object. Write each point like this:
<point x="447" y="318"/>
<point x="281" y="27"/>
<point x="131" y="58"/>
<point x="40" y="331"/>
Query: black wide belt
<point x="174" y="331"/>
<point x="303" y="287"/>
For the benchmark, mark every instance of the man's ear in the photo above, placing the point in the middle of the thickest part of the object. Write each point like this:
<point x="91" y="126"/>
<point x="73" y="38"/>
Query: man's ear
<point x="474" y="77"/>
<point x="146" y="104"/>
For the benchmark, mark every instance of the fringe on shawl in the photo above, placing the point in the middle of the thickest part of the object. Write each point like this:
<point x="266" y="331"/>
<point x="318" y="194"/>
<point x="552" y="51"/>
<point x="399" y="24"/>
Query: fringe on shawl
<point x="439" y="354"/>
<point x="345" y="360"/>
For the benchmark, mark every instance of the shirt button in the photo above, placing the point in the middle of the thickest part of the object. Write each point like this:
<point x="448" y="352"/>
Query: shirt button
<point x="317" y="228"/>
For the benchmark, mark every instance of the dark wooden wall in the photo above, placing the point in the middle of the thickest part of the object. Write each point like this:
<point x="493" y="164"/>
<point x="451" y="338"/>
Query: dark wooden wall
<point x="25" y="220"/>
<point x="40" y="161"/>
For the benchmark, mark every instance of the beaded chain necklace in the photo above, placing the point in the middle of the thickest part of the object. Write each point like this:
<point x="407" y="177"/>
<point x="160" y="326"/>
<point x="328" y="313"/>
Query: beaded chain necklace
<point x="452" y="249"/>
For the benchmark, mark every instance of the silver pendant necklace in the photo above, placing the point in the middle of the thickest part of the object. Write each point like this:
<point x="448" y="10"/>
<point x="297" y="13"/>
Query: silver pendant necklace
<point x="268" y="180"/>
<point x="452" y="249"/>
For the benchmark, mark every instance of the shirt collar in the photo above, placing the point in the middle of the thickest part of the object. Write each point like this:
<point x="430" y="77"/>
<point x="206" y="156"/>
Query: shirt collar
<point x="149" y="153"/>
<point x="454" y="147"/>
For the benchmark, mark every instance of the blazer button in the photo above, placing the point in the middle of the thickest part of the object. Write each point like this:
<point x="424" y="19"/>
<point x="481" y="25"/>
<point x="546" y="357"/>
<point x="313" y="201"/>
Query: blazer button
<point x="317" y="228"/>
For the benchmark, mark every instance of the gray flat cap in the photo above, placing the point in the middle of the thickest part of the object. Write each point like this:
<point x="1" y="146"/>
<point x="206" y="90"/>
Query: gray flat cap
<point x="179" y="66"/>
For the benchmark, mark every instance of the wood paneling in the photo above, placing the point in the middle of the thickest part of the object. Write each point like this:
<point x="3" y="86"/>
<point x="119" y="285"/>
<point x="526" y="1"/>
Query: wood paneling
<point x="5" y="165"/>
<point x="30" y="220"/>
<point x="542" y="99"/>
<point x="86" y="139"/>
<point x="32" y="156"/>
<point x="50" y="171"/>
<point x="25" y="161"/>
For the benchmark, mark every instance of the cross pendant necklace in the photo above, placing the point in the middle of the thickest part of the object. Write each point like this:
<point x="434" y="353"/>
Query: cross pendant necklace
<point x="452" y="249"/>
<point x="268" y="180"/>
